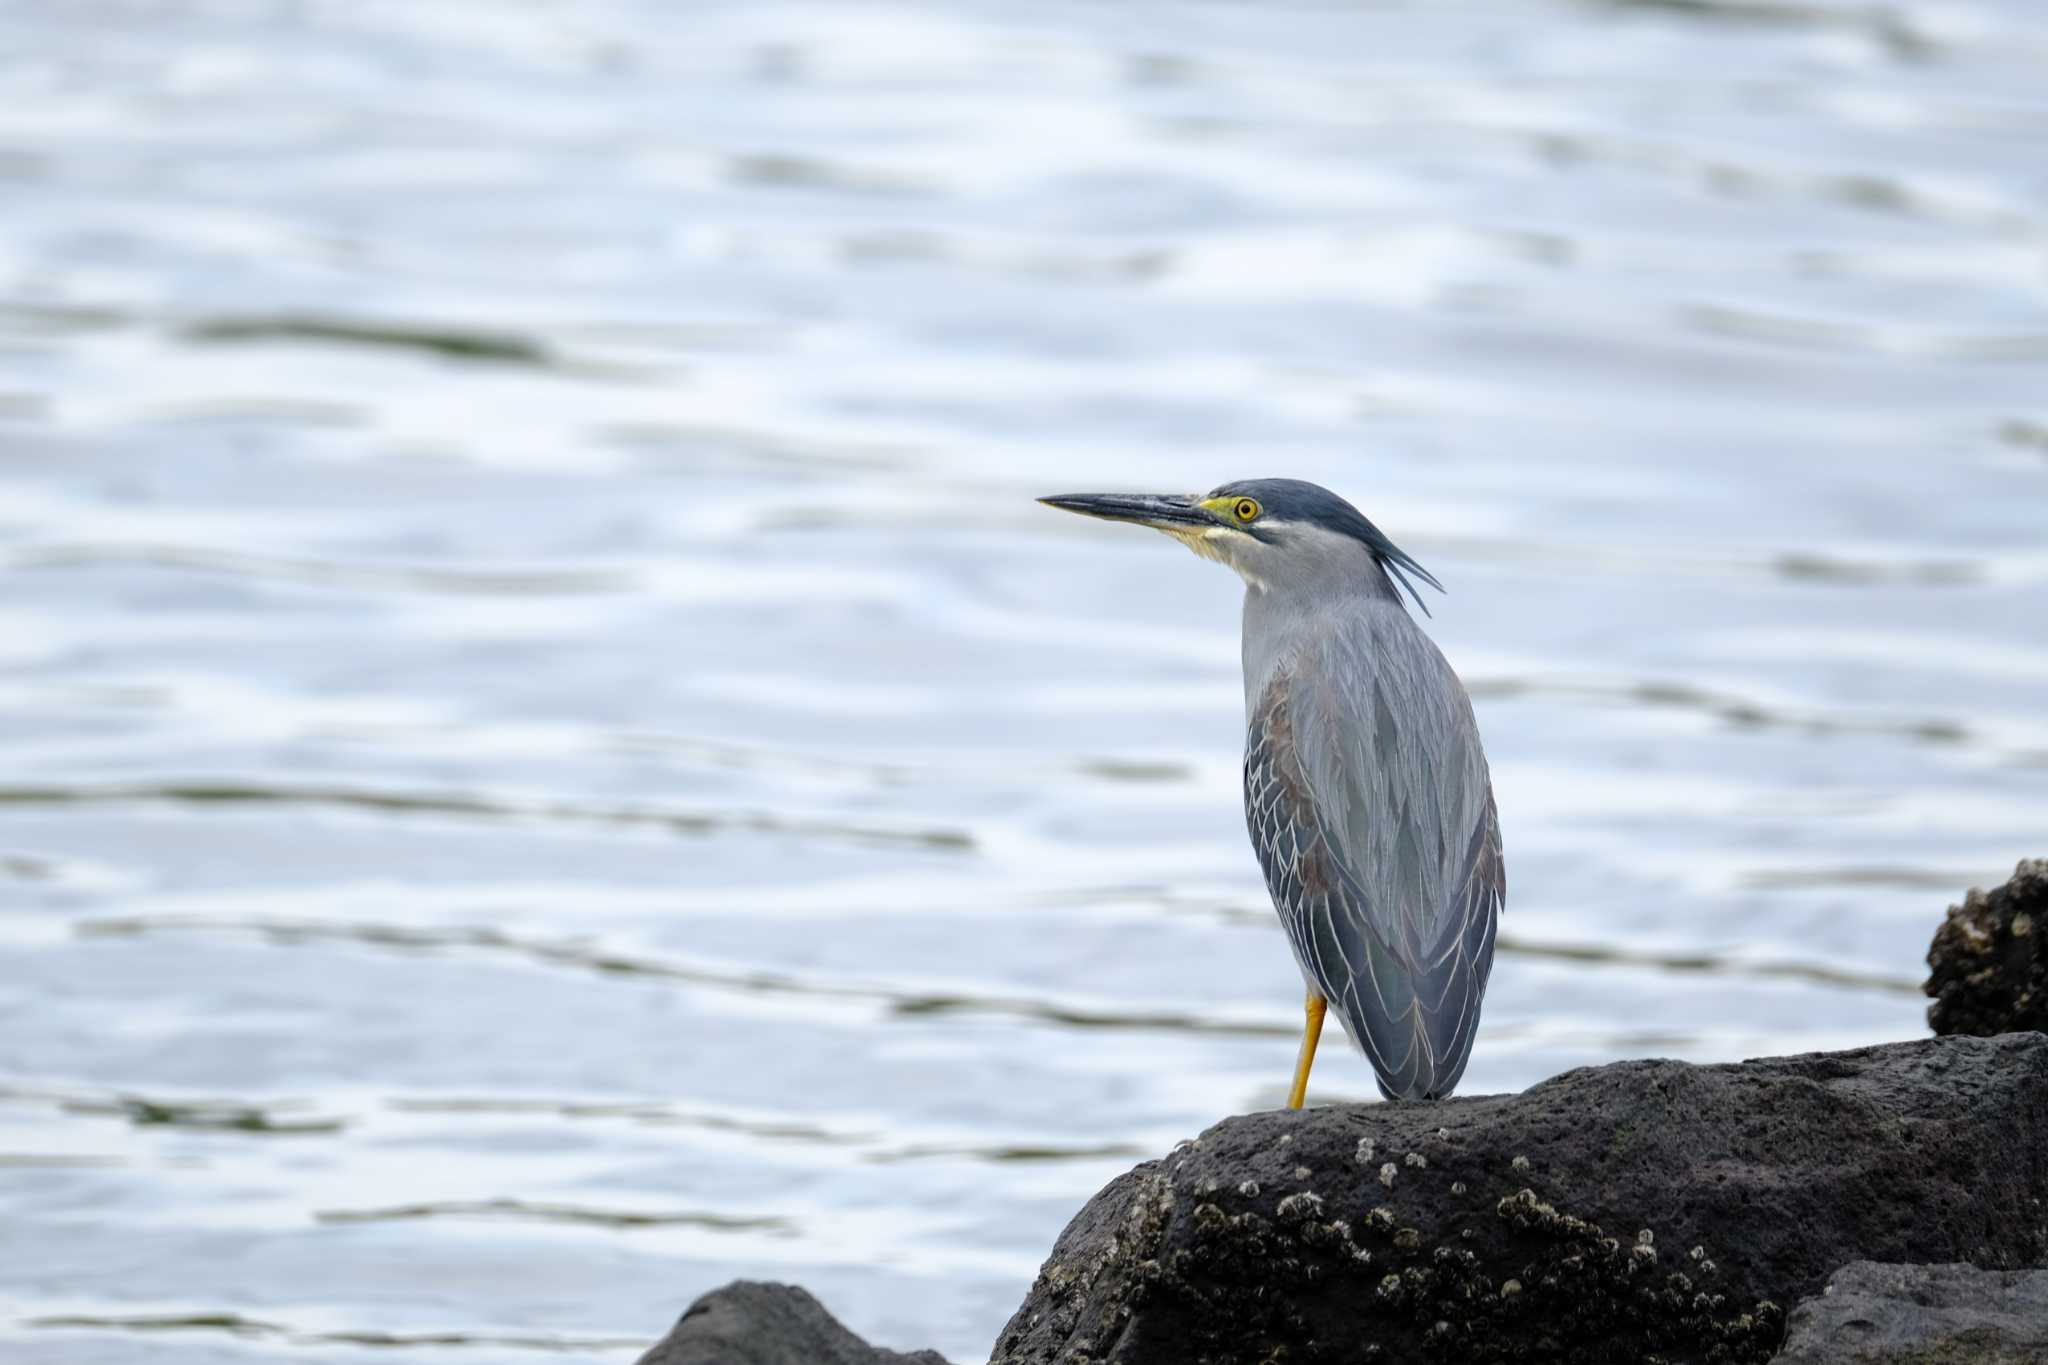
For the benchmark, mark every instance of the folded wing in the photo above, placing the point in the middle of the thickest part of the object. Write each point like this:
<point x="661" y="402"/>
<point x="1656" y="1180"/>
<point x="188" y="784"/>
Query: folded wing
<point x="1370" y="807"/>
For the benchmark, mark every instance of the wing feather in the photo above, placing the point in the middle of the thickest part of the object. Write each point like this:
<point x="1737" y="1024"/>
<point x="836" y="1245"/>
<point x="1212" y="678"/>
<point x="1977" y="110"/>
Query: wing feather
<point x="1370" y="807"/>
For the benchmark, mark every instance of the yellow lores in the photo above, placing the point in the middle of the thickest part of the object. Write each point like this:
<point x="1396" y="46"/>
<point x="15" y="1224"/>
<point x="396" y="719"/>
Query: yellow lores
<point x="1244" y="511"/>
<point x="1212" y="541"/>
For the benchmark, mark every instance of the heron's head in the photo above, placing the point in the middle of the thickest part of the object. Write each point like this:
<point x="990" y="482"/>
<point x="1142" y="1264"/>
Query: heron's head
<point x="1274" y="532"/>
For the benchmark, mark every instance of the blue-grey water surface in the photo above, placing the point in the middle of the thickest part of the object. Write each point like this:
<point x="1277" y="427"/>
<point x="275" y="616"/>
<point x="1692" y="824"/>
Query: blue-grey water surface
<point x="552" y="760"/>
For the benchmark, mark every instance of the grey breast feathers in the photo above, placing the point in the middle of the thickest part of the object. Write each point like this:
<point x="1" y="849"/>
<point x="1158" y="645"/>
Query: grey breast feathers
<point x="1368" y="800"/>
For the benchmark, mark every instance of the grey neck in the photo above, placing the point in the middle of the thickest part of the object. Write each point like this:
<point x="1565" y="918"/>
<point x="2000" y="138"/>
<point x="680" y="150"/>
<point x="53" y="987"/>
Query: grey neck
<point x="1340" y="579"/>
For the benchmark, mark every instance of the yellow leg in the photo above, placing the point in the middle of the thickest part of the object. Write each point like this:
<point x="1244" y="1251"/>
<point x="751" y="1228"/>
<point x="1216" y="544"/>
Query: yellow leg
<point x="1311" y="1031"/>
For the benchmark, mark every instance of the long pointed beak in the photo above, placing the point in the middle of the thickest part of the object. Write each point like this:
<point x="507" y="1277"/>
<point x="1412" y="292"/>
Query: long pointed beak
<point x="1161" y="510"/>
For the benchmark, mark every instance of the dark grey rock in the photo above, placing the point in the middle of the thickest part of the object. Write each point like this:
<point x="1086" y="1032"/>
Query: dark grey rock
<point x="1989" y="959"/>
<point x="1922" y="1315"/>
<point x="1647" y="1210"/>
<point x="752" y="1323"/>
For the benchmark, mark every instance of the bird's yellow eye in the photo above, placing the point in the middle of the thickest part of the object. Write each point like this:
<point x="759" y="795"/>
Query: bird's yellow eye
<point x="1247" y="509"/>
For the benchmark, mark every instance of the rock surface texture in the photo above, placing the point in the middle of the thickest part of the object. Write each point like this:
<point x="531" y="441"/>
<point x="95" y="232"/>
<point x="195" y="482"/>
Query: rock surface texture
<point x="1643" y="1210"/>
<point x="1922" y="1315"/>
<point x="751" y="1323"/>
<point x="1989" y="959"/>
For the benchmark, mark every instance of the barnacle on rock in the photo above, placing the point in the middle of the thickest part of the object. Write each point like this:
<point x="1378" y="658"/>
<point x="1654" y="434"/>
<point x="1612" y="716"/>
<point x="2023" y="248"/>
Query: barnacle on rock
<point x="1296" y="1207"/>
<point x="1263" y="1282"/>
<point x="1534" y="1237"/>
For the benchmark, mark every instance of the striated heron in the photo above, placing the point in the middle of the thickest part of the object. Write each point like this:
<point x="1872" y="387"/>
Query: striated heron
<point x="1365" y="787"/>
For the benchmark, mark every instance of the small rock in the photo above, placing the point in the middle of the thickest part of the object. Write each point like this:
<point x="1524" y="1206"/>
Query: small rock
<point x="1988" y="968"/>
<point x="752" y="1323"/>
<point x="1895" y="1314"/>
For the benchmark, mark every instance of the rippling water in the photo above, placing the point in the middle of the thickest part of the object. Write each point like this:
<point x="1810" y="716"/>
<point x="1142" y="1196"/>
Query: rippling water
<point x="553" y="761"/>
